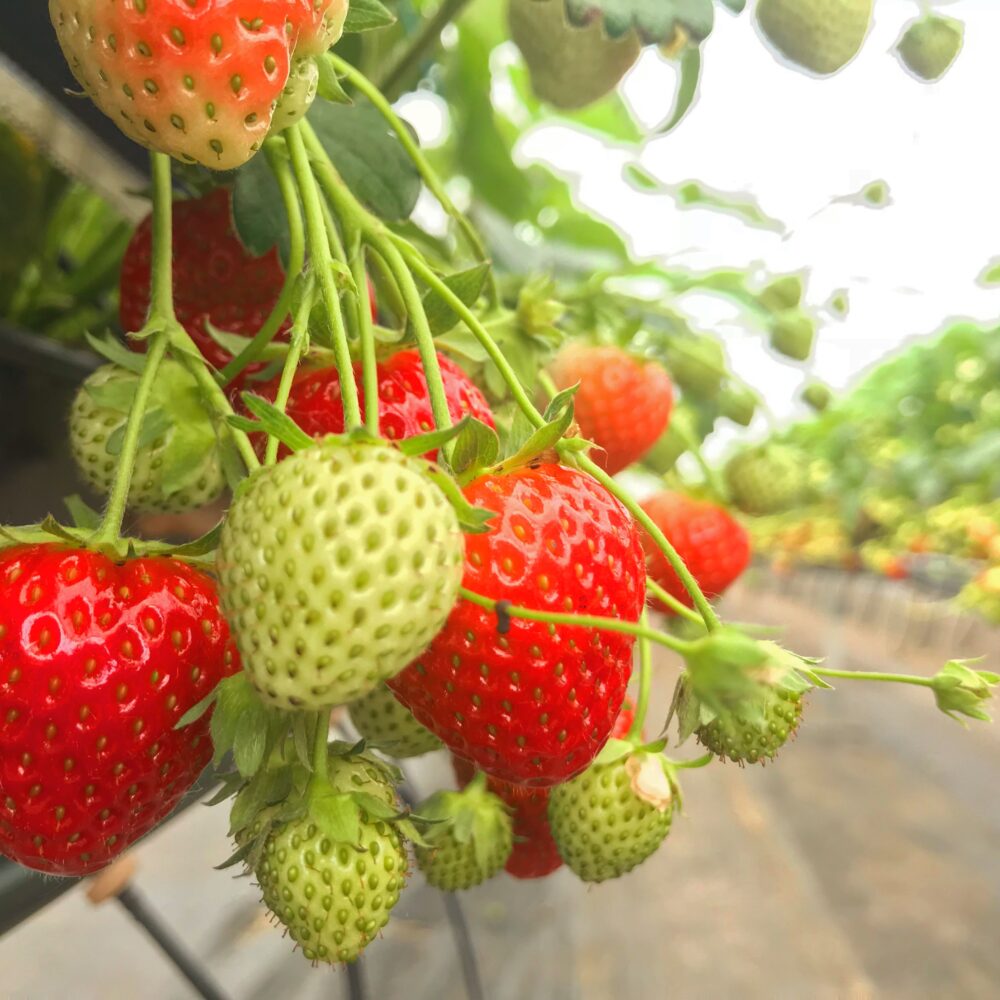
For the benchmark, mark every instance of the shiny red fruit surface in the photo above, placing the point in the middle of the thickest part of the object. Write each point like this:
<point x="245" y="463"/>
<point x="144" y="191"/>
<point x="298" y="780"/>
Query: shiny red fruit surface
<point x="534" y="705"/>
<point x="98" y="662"/>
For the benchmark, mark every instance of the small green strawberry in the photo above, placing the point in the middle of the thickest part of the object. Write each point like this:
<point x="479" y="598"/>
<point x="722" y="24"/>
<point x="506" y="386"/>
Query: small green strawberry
<point x="570" y="67"/>
<point x="768" y="479"/>
<point x="469" y="837"/>
<point x="818" y="396"/>
<point x="782" y="293"/>
<point x="697" y="364"/>
<point x="612" y="817"/>
<point x="793" y="334"/>
<point x="333" y="875"/>
<point x="739" y="404"/>
<point x="821" y="36"/>
<point x="929" y="45"/>
<point x="178" y="466"/>
<point x="757" y="730"/>
<point x="337" y="567"/>
<point x="381" y="718"/>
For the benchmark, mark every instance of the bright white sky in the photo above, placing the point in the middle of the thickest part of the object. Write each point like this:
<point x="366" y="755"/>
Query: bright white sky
<point x="795" y="143"/>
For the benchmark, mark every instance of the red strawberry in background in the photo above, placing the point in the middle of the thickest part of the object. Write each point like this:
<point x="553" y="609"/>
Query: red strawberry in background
<point x="98" y="662"/>
<point x="623" y="404"/>
<point x="535" y="854"/>
<point x="216" y="281"/>
<point x="199" y="81"/>
<point x="315" y="403"/>
<point x="534" y="706"/>
<point x="714" y="546"/>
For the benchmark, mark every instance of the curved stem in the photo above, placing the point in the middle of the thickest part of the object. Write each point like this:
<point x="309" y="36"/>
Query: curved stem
<point x="676" y="563"/>
<point x="366" y="333"/>
<point x="645" y="681"/>
<point x="321" y="261"/>
<point x="672" y="603"/>
<point x="296" y="259"/>
<point x="864" y="675"/>
<point x="577" y="621"/>
<point x="427" y="173"/>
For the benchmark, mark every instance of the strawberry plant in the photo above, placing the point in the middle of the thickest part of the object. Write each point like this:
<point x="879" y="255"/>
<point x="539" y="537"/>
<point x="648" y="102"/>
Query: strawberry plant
<point x="419" y="431"/>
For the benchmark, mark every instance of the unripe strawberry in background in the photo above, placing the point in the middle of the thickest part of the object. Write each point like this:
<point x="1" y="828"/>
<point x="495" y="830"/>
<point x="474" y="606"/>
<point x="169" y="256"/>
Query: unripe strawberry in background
<point x="929" y="46"/>
<point x="821" y="36"/>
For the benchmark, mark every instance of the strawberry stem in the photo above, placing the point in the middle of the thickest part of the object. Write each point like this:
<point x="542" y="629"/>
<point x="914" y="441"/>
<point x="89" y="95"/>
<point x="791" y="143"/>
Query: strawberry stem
<point x="577" y="621"/>
<point x="321" y="261"/>
<point x="320" y="775"/>
<point x="429" y="176"/>
<point x="672" y="603"/>
<point x="865" y="675"/>
<point x="296" y="258"/>
<point x="366" y="331"/>
<point x="645" y="681"/>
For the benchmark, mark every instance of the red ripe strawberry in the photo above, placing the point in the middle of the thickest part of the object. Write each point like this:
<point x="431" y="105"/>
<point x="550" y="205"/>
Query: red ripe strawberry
<point x="404" y="406"/>
<point x="200" y="81"/>
<point x="535" y="854"/>
<point x="714" y="546"/>
<point x="216" y="281"/>
<point x="98" y="662"/>
<point x="534" y="706"/>
<point x="623" y="404"/>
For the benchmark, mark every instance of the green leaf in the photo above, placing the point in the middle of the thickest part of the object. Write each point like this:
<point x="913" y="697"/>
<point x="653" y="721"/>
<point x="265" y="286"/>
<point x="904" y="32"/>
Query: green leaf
<point x="195" y="712"/>
<point x="432" y="441"/>
<point x="687" y="88"/>
<point x="375" y="807"/>
<point x="258" y="209"/>
<point x="369" y="157"/>
<point x="560" y="417"/>
<point x="82" y="514"/>
<point x="329" y="86"/>
<point x="250" y="741"/>
<point x="654" y="20"/>
<point x="613" y="750"/>
<point x="115" y="351"/>
<point x="467" y="285"/>
<point x="476" y="447"/>
<point x="472" y="520"/>
<point x="271" y="421"/>
<point x="338" y="816"/>
<point x="155" y="424"/>
<point x="365" y="15"/>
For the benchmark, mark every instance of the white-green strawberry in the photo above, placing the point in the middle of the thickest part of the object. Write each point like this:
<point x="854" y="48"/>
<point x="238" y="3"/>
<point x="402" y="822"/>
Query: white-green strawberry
<point x="382" y="719"/>
<point x="793" y="334"/>
<point x="697" y="364"/>
<point x="821" y="36"/>
<point x="468" y="838"/>
<point x="768" y="479"/>
<point x="337" y="567"/>
<point x="929" y="45"/>
<point x="333" y="875"/>
<point x="178" y="465"/>
<point x="613" y="816"/>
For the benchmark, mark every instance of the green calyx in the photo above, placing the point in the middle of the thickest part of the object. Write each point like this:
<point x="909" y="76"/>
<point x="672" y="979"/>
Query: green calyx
<point x="960" y="690"/>
<point x="178" y="465"/>
<point x="613" y="816"/>
<point x="468" y="837"/>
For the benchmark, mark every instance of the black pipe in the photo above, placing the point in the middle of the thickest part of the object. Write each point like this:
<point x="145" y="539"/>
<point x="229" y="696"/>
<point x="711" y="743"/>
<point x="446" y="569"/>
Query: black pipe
<point x="356" y="981"/>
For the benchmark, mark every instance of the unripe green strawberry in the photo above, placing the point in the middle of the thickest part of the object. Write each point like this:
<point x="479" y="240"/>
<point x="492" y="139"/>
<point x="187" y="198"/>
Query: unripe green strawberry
<point x="612" y="817"/>
<point x="782" y="293"/>
<point x="739" y="404"/>
<point x="766" y="480"/>
<point x="754" y="732"/>
<point x="929" y="45"/>
<point x="336" y="569"/>
<point x="698" y="365"/>
<point x="469" y="838"/>
<point x="570" y="67"/>
<point x="178" y="465"/>
<point x="818" y="396"/>
<point x="793" y="334"/>
<point x="819" y="35"/>
<point x="335" y="895"/>
<point x="381" y="718"/>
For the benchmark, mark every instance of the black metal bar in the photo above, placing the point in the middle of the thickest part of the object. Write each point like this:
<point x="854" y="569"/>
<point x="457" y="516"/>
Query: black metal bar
<point x="466" y="949"/>
<point x="356" y="981"/>
<point x="185" y="963"/>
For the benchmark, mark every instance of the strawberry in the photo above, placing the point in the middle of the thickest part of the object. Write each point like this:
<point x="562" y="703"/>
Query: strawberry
<point x="199" y="81"/>
<point x="534" y="704"/>
<point x="612" y="817"/>
<point x="404" y="404"/>
<point x="622" y="404"/>
<point x="739" y="404"/>
<point x="98" y="662"/>
<point x="469" y="837"/>
<point x="178" y="466"/>
<point x="929" y="45"/>
<point x="821" y="36"/>
<point x="336" y="568"/>
<point x="381" y="718"/>
<point x="766" y="480"/>
<point x="335" y="893"/>
<point x="216" y="281"/>
<point x="754" y="732"/>
<point x="698" y="365"/>
<point x="818" y="396"/>
<point x="793" y="334"/>
<point x="713" y="546"/>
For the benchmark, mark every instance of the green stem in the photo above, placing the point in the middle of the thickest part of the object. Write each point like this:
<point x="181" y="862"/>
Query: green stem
<point x="672" y="603"/>
<point x="425" y="39"/>
<point x="161" y="319"/>
<point x="864" y="675"/>
<point x="296" y="258"/>
<point x="366" y="332"/>
<point x="320" y="776"/>
<point x="711" y="476"/>
<point x="708" y="615"/>
<point x="579" y="621"/>
<point x="299" y="338"/>
<point x="429" y="176"/>
<point x="321" y="262"/>
<point x="645" y="681"/>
